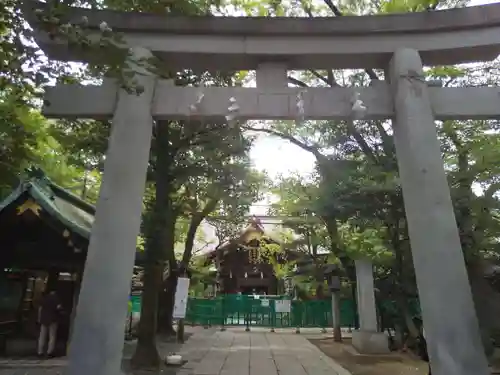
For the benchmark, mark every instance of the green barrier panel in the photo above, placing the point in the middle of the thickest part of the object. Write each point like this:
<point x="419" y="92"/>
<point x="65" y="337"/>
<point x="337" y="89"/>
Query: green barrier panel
<point x="135" y="302"/>
<point x="244" y="310"/>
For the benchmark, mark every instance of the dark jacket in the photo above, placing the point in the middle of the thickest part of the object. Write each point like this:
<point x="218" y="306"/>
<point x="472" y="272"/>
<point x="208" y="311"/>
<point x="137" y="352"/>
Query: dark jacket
<point x="50" y="309"/>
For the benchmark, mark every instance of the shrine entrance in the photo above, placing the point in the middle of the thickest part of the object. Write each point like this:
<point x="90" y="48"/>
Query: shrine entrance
<point x="44" y="231"/>
<point x="398" y="44"/>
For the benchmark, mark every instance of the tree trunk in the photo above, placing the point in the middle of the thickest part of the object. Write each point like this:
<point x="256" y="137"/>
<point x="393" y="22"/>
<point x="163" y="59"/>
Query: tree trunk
<point x="146" y="355"/>
<point x="180" y="331"/>
<point x="337" y="330"/>
<point x="398" y="337"/>
<point x="404" y="275"/>
<point x="166" y="323"/>
<point x="487" y="303"/>
<point x="165" y="316"/>
<point x="196" y="220"/>
<point x="159" y="247"/>
<point x="407" y="317"/>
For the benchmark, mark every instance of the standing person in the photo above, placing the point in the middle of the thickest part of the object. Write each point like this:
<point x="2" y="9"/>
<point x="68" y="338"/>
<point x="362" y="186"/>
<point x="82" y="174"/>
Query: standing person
<point x="48" y="317"/>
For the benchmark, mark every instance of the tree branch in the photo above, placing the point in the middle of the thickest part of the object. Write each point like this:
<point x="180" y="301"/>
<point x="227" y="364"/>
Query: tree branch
<point x="492" y="190"/>
<point x="333" y="8"/>
<point x="196" y="221"/>
<point x="371" y="73"/>
<point x="387" y="143"/>
<point x="290" y="139"/>
<point x="307" y="9"/>
<point x="200" y="250"/>
<point x="329" y="80"/>
<point x="297" y="82"/>
<point x="361" y="142"/>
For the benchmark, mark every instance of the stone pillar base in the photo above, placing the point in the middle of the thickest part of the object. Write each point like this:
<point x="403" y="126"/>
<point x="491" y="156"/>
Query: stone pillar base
<point x="366" y="342"/>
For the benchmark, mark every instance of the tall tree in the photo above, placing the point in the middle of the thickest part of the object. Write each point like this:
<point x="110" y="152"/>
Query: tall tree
<point x="193" y="163"/>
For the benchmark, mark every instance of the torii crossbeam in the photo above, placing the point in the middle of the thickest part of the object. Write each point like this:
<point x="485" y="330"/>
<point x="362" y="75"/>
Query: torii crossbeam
<point x="173" y="103"/>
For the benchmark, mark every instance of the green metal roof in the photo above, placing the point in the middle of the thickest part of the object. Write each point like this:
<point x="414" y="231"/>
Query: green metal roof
<point x="73" y="212"/>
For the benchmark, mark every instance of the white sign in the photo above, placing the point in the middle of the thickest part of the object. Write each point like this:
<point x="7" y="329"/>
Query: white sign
<point x="181" y="297"/>
<point x="283" y="306"/>
<point x="264" y="303"/>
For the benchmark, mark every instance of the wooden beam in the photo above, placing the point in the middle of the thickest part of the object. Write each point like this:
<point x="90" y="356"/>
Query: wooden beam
<point x="72" y="101"/>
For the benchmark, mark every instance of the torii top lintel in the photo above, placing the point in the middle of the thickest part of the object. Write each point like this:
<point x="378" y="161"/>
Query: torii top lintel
<point x="236" y="43"/>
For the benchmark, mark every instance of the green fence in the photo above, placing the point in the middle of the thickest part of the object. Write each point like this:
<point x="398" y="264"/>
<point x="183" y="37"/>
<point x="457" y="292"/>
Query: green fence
<point x="240" y="310"/>
<point x="266" y="311"/>
<point x="135" y="303"/>
<point x="243" y="310"/>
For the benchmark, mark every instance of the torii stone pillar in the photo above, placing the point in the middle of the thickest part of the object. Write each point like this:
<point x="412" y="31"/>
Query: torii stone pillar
<point x="97" y="341"/>
<point x="449" y="316"/>
<point x="368" y="340"/>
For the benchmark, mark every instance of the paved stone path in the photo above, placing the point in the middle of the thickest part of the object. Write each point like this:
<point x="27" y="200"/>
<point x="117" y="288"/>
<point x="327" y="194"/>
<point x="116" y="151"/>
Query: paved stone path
<point x="210" y="352"/>
<point x="242" y="353"/>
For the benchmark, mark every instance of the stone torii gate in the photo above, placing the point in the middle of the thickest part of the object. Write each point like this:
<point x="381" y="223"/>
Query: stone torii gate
<point x="400" y="44"/>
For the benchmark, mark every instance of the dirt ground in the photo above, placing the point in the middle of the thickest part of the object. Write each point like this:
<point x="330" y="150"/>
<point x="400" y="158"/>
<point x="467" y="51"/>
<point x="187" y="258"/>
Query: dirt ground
<point x="393" y="364"/>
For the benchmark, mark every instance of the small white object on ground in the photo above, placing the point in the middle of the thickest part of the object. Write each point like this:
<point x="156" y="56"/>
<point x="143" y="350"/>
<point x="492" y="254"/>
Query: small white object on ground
<point x="173" y="359"/>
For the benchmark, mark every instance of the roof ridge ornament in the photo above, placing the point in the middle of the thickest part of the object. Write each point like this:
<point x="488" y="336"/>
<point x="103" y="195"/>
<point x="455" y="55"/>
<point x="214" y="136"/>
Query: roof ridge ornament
<point x="34" y="172"/>
<point x="36" y="175"/>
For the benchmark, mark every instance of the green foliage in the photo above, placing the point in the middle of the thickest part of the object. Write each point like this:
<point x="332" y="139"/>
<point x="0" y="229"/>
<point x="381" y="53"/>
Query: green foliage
<point x="449" y="72"/>
<point x="366" y="243"/>
<point x="27" y="139"/>
<point x="403" y="6"/>
<point x="201" y="274"/>
<point x="19" y="137"/>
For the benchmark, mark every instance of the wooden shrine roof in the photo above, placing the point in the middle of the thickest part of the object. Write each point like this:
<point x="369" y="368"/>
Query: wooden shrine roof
<point x="38" y="192"/>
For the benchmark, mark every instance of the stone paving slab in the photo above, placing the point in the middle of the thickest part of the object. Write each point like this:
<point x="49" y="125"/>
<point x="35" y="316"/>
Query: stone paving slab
<point x="250" y="353"/>
<point x="211" y="352"/>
